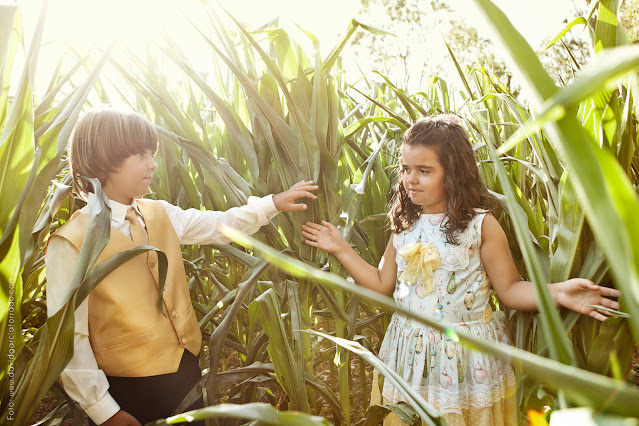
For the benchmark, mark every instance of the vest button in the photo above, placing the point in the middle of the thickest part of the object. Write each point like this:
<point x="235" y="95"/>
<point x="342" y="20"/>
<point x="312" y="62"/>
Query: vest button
<point x="152" y="263"/>
<point x="184" y="340"/>
<point x="174" y="314"/>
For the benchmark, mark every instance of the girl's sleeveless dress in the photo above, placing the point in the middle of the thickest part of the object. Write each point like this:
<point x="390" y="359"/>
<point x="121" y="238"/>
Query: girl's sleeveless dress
<point x="468" y="387"/>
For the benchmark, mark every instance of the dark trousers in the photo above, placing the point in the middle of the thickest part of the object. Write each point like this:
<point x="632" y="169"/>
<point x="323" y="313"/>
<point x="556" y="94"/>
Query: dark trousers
<point x="154" y="397"/>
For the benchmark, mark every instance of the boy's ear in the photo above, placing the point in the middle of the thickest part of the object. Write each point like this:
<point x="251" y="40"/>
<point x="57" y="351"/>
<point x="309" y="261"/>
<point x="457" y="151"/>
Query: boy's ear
<point x="103" y="179"/>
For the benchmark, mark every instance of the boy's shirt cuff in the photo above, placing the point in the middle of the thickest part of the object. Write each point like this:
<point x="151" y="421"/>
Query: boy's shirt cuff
<point x="267" y="205"/>
<point x="102" y="410"/>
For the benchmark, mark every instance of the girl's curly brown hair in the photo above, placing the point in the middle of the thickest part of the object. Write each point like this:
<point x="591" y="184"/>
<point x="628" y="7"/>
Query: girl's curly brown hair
<point x="463" y="186"/>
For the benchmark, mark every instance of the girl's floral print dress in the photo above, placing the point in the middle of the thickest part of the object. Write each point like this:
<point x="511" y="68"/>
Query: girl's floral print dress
<point x="468" y="387"/>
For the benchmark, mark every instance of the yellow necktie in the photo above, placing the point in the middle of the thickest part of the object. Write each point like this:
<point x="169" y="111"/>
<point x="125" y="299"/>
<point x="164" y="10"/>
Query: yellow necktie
<point x="138" y="232"/>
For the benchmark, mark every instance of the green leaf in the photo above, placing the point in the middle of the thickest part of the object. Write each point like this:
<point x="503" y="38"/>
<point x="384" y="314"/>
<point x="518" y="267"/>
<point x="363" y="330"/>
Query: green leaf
<point x="289" y="374"/>
<point x="352" y="27"/>
<point x="10" y="37"/>
<point x="602" y="73"/>
<point x="522" y="53"/>
<point x="220" y="333"/>
<point x="580" y="20"/>
<point x="376" y="414"/>
<point x="568" y="233"/>
<point x="603" y="189"/>
<point x="606" y="27"/>
<point x="559" y="343"/>
<point x="427" y="413"/>
<point x="580" y="386"/>
<point x="257" y="411"/>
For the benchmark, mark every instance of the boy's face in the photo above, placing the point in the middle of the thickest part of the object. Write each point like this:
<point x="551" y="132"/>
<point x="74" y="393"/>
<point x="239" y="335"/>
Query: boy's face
<point x="131" y="179"/>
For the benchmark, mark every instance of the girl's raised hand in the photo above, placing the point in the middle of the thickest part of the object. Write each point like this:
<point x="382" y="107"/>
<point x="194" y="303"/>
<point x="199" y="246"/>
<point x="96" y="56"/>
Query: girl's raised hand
<point x="285" y="201"/>
<point x="580" y="294"/>
<point x="325" y="237"/>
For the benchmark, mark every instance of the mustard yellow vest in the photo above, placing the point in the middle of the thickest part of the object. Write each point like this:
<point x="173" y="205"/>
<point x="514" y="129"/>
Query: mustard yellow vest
<point x="128" y="334"/>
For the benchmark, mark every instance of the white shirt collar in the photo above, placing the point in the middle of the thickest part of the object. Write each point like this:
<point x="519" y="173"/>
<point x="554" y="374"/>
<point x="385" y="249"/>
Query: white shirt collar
<point x="118" y="210"/>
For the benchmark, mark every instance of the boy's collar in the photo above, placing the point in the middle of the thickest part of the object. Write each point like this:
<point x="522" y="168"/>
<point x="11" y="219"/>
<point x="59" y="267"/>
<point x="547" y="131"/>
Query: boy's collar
<point x="118" y="210"/>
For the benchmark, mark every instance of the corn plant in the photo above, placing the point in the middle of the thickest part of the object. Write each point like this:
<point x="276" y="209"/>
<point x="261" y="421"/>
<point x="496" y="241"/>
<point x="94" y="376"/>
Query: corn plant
<point x="537" y="185"/>
<point x="542" y="208"/>
<point x="31" y="150"/>
<point x="581" y="387"/>
<point x="604" y="128"/>
<point x="267" y="115"/>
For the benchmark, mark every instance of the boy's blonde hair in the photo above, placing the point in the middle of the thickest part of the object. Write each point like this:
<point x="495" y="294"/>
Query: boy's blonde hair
<point x="102" y="139"/>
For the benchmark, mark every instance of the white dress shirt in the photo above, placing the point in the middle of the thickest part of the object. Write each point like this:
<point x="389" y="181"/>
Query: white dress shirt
<point x="82" y="378"/>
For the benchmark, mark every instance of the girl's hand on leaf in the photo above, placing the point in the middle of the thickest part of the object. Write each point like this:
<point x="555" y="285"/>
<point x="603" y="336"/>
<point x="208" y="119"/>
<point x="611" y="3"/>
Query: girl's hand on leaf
<point x="580" y="295"/>
<point x="285" y="201"/>
<point x="325" y="237"/>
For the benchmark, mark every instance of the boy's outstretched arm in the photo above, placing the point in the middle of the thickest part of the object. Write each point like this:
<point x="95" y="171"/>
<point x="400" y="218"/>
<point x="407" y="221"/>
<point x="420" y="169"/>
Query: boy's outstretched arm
<point x="194" y="226"/>
<point x="577" y="294"/>
<point x="285" y="201"/>
<point x="328" y="238"/>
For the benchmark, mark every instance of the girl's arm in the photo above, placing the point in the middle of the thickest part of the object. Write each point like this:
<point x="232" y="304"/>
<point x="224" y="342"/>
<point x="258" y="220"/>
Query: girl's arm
<point x="575" y="294"/>
<point x="328" y="238"/>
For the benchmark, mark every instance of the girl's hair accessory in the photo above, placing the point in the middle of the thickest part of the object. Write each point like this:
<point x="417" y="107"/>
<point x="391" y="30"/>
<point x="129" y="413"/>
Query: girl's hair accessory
<point x="421" y="261"/>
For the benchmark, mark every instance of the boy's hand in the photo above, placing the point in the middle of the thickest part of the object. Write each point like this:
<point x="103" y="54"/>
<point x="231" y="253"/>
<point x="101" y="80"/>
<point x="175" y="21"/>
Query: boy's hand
<point x="285" y="201"/>
<point x="325" y="237"/>
<point x="579" y="294"/>
<point x="122" y="418"/>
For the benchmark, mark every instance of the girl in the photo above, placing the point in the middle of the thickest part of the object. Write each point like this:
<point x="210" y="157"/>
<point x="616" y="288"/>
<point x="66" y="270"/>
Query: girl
<point x="445" y="250"/>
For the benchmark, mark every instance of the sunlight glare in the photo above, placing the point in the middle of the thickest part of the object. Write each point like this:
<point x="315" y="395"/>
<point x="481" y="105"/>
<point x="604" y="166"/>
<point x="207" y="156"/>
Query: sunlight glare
<point x="100" y="23"/>
<point x="91" y="26"/>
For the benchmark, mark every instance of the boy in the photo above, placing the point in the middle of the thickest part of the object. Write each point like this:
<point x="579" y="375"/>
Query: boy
<point x="131" y="364"/>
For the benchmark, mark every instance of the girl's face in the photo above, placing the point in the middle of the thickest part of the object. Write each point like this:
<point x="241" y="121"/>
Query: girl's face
<point x="423" y="178"/>
<point x="131" y="179"/>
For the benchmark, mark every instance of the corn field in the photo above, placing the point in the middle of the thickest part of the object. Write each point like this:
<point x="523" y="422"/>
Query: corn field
<point x="288" y="339"/>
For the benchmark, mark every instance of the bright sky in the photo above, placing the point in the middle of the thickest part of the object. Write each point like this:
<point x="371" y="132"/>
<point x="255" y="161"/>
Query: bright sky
<point x="91" y="23"/>
<point x="536" y="20"/>
<point x="88" y="20"/>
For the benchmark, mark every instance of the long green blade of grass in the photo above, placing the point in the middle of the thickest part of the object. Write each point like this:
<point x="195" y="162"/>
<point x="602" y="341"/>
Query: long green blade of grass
<point x="607" y="197"/>
<point x="581" y="387"/>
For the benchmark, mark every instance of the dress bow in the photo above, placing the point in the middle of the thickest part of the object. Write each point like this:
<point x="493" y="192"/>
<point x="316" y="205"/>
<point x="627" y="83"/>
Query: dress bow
<point x="421" y="261"/>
